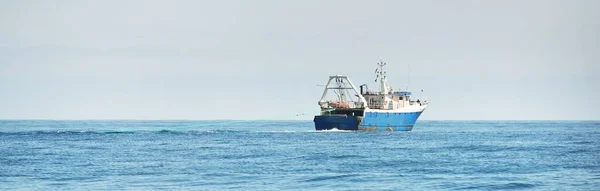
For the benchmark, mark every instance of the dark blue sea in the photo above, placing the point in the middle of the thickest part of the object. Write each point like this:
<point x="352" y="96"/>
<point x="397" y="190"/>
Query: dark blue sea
<point x="290" y="155"/>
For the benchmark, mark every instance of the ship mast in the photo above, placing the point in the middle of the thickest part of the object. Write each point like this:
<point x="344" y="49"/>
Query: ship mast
<point x="382" y="75"/>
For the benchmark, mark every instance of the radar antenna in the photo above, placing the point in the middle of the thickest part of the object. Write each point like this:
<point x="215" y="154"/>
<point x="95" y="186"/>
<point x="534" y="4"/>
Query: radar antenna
<point x="379" y="71"/>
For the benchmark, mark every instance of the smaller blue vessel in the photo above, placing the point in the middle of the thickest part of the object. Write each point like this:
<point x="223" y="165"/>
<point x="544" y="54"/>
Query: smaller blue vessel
<point x="350" y="109"/>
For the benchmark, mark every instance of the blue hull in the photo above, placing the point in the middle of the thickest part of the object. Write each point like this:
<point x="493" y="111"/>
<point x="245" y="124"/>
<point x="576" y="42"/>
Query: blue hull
<point x="372" y="121"/>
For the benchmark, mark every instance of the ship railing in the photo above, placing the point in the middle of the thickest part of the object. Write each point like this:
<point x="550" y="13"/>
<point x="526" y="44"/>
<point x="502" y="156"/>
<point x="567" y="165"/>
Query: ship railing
<point x="374" y="105"/>
<point x="355" y="104"/>
<point x="348" y="105"/>
<point x="420" y="103"/>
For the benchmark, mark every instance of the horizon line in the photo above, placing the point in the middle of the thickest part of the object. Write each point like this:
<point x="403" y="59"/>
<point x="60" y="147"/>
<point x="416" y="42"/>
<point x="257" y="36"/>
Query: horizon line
<point x="284" y="119"/>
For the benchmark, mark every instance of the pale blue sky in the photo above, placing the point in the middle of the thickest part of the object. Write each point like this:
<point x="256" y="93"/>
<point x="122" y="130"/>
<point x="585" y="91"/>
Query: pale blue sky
<point x="509" y="59"/>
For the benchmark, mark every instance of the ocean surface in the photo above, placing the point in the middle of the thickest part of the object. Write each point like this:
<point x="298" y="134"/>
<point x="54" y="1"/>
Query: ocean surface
<point x="291" y="155"/>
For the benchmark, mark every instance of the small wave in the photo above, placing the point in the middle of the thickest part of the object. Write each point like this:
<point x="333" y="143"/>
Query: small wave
<point x="346" y="156"/>
<point x="217" y="131"/>
<point x="583" y="142"/>
<point x="334" y="130"/>
<point x="286" y="131"/>
<point x="509" y="186"/>
<point x="217" y="174"/>
<point x="54" y="132"/>
<point x="165" y="131"/>
<point x="76" y="179"/>
<point x="323" y="178"/>
<point x="114" y="132"/>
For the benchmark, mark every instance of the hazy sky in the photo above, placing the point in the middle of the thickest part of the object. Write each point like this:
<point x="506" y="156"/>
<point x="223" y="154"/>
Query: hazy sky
<point x="105" y="59"/>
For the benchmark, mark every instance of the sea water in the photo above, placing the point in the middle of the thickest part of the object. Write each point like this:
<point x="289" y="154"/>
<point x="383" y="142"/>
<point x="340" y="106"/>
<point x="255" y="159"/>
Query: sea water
<point x="291" y="155"/>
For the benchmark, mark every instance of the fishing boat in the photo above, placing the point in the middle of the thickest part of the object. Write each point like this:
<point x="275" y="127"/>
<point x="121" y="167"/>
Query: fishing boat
<point x="349" y="108"/>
